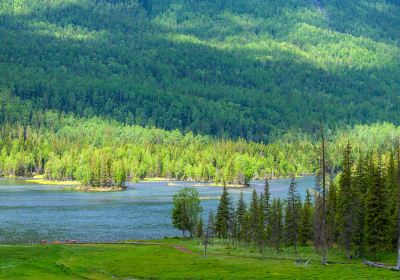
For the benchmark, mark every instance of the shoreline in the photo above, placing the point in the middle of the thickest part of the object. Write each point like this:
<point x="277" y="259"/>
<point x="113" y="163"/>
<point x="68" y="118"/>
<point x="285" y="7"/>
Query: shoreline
<point x="39" y="179"/>
<point x="76" y="185"/>
<point x="101" y="189"/>
<point x="196" y="183"/>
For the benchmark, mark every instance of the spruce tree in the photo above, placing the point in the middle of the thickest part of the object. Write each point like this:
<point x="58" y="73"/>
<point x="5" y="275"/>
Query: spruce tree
<point x="267" y="198"/>
<point x="267" y="209"/>
<point x="391" y="186"/>
<point x="292" y="216"/>
<point x="254" y="215"/>
<point x="276" y="224"/>
<point x="376" y="217"/>
<point x="346" y="211"/>
<point x="223" y="217"/>
<point x="261" y="237"/>
<point x="360" y="183"/>
<point x="320" y="231"/>
<point x="306" y="223"/>
<point x="331" y="215"/>
<point x="240" y="218"/>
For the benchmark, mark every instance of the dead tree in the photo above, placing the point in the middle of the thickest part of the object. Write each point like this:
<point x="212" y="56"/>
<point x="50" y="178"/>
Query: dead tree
<point x="398" y="208"/>
<point x="209" y="232"/>
<point x="323" y="225"/>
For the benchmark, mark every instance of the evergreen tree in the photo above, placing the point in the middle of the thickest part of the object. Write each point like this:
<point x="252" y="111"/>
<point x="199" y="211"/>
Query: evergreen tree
<point x="267" y="209"/>
<point x="240" y="218"/>
<point x="276" y="224"/>
<point x="376" y="217"/>
<point x="360" y="183"/>
<point x="223" y="217"/>
<point x="261" y="237"/>
<point x="320" y="229"/>
<point x="306" y="223"/>
<point x="346" y="211"/>
<point x="267" y="197"/>
<point x="331" y="215"/>
<point x="391" y="187"/>
<point x="292" y="216"/>
<point x="254" y="215"/>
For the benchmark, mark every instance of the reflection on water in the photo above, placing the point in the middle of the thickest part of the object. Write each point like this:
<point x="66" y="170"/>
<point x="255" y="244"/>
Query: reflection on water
<point x="29" y="212"/>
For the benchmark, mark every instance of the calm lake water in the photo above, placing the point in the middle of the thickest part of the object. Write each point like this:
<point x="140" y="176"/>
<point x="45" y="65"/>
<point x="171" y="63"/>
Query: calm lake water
<point x="31" y="212"/>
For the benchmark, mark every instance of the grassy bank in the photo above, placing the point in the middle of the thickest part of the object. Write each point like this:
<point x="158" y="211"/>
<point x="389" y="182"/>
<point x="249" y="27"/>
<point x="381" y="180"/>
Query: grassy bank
<point x="173" y="259"/>
<point x="39" y="179"/>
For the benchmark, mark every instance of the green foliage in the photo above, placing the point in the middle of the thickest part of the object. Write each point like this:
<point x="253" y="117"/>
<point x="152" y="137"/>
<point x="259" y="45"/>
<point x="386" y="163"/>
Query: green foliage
<point x="376" y="216"/>
<point x="240" y="219"/>
<point x="346" y="197"/>
<point x="261" y="67"/>
<point x="187" y="210"/>
<point x="292" y="215"/>
<point x="101" y="153"/>
<point x="223" y="219"/>
<point x="277" y="224"/>
<point x="199" y="229"/>
<point x="306" y="221"/>
<point x="361" y="181"/>
<point x="332" y="227"/>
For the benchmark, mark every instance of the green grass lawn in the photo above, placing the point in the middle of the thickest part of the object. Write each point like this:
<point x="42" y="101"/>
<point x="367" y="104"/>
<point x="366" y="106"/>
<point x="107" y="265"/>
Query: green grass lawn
<point x="165" y="262"/>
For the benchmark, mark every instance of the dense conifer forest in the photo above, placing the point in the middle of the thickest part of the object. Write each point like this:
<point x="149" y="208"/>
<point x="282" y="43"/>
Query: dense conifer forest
<point x="229" y="68"/>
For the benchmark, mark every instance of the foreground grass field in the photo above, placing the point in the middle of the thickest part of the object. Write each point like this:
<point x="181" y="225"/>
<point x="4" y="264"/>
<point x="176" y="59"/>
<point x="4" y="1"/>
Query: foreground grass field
<point x="174" y="259"/>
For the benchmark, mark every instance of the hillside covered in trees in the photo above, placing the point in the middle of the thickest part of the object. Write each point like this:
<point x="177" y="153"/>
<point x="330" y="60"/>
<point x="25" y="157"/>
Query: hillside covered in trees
<point x="230" y="68"/>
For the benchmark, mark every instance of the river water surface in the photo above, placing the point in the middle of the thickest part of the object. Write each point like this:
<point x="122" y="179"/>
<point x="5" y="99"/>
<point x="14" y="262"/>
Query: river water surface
<point x="31" y="212"/>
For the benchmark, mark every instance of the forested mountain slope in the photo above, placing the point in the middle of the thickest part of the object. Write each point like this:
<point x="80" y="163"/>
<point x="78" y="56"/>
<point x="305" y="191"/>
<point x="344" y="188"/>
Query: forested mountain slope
<point x="230" y="68"/>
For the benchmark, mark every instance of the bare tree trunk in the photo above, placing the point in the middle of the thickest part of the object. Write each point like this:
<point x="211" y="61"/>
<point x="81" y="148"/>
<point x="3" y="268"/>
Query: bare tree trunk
<point x="398" y="208"/>
<point x="348" y="255"/>
<point x="208" y="233"/>
<point x="323" y="229"/>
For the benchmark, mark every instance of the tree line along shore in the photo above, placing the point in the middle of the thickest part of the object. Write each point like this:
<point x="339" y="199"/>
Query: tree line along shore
<point x="100" y="153"/>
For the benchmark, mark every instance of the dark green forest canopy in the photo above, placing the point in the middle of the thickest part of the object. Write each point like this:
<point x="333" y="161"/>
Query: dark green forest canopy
<point x="230" y="68"/>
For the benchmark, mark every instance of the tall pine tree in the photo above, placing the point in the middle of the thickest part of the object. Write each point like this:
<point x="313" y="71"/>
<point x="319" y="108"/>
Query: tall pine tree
<point x="292" y="216"/>
<point x="306" y="223"/>
<point x="360" y="183"/>
<point x="331" y="213"/>
<point x="276" y="224"/>
<point x="223" y="217"/>
<point x="376" y="216"/>
<point x="346" y="211"/>
<point x="240" y="218"/>
<point x="254" y="215"/>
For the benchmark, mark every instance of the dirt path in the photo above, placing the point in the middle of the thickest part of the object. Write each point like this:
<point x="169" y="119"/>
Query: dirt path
<point x="183" y="249"/>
